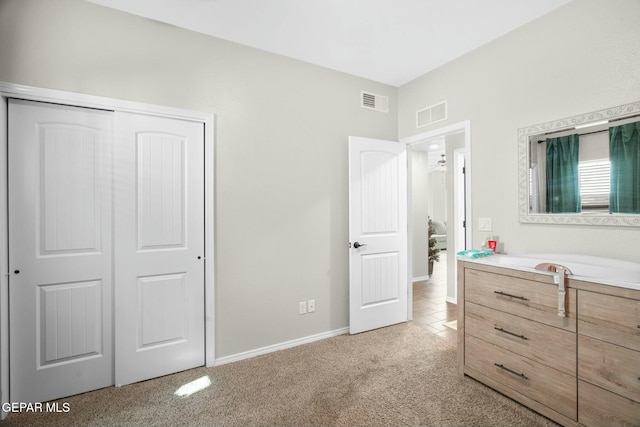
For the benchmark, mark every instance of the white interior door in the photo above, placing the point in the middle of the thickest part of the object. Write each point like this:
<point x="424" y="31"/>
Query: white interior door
<point x="159" y="220"/>
<point x="60" y="258"/>
<point x="378" y="277"/>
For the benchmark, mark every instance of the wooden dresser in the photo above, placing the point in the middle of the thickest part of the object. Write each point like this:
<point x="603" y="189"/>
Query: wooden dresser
<point x="580" y="369"/>
<point x="609" y="356"/>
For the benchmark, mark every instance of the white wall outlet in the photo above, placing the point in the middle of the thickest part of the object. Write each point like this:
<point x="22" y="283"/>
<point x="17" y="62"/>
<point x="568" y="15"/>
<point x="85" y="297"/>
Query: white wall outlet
<point x="302" y="307"/>
<point x="311" y="305"/>
<point x="484" y="224"/>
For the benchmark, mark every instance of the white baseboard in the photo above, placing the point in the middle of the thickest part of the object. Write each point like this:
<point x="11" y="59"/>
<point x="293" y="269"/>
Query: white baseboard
<point x="271" y="348"/>
<point x="452" y="300"/>
<point x="420" y="279"/>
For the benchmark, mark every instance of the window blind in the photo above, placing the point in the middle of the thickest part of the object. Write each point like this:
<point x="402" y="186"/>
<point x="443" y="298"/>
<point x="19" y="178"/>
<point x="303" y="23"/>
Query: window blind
<point x="594" y="183"/>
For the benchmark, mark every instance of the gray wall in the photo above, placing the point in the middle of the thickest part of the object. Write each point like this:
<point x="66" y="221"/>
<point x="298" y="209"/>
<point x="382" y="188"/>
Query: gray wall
<point x="281" y="149"/>
<point x="579" y="58"/>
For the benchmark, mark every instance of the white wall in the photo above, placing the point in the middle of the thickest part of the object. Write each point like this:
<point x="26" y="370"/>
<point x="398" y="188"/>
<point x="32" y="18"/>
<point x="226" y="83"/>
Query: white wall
<point x="281" y="149"/>
<point x="438" y="195"/>
<point x="420" y="204"/>
<point x="579" y="58"/>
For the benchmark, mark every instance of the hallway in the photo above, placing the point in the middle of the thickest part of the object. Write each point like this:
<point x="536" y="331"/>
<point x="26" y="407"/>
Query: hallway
<point x="430" y="308"/>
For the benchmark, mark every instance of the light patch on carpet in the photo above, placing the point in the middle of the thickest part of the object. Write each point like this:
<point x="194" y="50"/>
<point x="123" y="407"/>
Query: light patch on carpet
<point x="194" y="386"/>
<point x="453" y="324"/>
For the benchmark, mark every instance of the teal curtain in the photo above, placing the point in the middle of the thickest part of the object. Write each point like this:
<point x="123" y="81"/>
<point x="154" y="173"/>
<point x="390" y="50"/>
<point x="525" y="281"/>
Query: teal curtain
<point x="624" y="153"/>
<point x="563" y="177"/>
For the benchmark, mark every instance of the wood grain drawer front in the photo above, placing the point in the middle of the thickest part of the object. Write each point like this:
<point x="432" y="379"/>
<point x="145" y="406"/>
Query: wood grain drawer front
<point x="539" y="382"/>
<point x="525" y="298"/>
<point x="599" y="408"/>
<point x="551" y="346"/>
<point x="609" y="366"/>
<point x="609" y="318"/>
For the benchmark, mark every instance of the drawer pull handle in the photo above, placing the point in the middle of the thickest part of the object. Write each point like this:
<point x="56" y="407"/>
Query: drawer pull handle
<point x="504" y="294"/>
<point x="510" y="333"/>
<point x="523" y="376"/>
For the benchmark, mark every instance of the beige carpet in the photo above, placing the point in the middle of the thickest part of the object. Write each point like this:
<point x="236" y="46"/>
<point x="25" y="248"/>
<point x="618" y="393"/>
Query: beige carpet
<point x="395" y="376"/>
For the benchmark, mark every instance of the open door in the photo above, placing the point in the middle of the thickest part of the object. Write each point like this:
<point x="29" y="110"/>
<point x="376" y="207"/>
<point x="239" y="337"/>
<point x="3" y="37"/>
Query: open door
<point x="377" y="234"/>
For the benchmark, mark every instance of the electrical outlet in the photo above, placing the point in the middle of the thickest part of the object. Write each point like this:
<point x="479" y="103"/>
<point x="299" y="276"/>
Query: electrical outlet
<point x="302" y="307"/>
<point x="311" y="305"/>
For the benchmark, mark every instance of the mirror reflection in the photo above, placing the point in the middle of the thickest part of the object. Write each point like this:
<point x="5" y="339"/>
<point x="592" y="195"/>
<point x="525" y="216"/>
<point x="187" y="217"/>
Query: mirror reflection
<point x="591" y="168"/>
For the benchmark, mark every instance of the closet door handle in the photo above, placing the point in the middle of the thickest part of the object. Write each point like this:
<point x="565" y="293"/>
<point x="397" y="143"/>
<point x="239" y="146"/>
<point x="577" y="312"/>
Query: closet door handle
<point x="510" y="333"/>
<point x="504" y="294"/>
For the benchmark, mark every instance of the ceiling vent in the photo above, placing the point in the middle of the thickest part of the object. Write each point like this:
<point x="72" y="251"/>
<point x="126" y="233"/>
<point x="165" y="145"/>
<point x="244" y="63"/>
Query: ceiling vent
<point x="432" y="114"/>
<point x="373" y="101"/>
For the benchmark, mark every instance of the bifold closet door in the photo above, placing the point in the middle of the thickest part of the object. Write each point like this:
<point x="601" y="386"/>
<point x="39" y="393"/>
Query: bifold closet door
<point x="60" y="256"/>
<point x="159" y="240"/>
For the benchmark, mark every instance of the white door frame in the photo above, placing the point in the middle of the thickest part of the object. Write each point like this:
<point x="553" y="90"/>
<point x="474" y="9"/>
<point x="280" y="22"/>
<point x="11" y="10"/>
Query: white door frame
<point x="460" y="127"/>
<point x="10" y="90"/>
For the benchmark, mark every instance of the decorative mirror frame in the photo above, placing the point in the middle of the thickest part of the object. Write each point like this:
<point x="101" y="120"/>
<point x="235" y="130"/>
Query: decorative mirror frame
<point x="614" y="220"/>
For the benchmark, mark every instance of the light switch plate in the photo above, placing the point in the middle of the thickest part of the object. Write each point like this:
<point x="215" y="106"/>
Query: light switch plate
<point x="484" y="224"/>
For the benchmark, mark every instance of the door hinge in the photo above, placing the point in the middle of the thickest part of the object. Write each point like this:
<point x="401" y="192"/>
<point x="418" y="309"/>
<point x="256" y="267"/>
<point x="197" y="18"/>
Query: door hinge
<point x="464" y="170"/>
<point x="464" y="224"/>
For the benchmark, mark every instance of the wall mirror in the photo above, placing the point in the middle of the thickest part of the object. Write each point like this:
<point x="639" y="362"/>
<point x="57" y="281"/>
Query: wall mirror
<point x="582" y="170"/>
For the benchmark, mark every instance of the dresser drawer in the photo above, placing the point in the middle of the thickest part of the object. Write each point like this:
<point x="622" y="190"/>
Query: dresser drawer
<point x="599" y="408"/>
<point x="610" y="318"/>
<point x="545" y="344"/>
<point x="525" y="298"/>
<point x="548" y="386"/>
<point x="609" y="366"/>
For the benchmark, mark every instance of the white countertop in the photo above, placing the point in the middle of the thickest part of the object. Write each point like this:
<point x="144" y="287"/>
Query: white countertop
<point x="606" y="271"/>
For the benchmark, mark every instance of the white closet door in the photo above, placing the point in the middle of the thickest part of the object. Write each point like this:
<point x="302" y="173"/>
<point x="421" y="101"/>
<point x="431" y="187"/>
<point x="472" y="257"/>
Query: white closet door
<point x="60" y="287"/>
<point x="159" y="236"/>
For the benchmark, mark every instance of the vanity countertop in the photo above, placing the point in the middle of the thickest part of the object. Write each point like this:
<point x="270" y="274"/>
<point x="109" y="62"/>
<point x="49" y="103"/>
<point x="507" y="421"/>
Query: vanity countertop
<point x="605" y="271"/>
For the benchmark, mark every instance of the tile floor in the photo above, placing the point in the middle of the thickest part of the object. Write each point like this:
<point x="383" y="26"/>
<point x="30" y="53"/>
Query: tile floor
<point x="430" y="308"/>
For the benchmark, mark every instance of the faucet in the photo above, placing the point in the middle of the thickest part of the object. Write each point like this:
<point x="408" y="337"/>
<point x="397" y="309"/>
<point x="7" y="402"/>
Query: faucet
<point x="559" y="274"/>
<point x="558" y="278"/>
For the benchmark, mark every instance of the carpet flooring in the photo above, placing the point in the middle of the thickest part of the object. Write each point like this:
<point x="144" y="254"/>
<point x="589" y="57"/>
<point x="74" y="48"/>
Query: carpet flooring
<point x="401" y="375"/>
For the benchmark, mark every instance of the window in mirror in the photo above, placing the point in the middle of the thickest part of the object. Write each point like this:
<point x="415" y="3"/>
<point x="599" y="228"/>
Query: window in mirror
<point x="571" y="173"/>
<point x="591" y="178"/>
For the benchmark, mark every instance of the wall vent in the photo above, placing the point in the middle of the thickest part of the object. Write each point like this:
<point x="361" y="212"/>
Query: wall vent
<point x="373" y="101"/>
<point x="432" y="114"/>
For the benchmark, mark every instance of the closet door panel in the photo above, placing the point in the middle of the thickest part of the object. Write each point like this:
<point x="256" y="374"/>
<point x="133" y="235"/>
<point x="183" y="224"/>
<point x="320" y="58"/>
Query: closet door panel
<point x="160" y="239"/>
<point x="60" y="229"/>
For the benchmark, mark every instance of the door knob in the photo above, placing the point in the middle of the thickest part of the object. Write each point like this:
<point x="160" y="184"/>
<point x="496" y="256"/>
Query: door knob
<point x="358" y="245"/>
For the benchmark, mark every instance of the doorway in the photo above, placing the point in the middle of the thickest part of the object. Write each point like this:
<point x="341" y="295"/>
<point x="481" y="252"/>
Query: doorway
<point x="454" y="144"/>
<point x="88" y="287"/>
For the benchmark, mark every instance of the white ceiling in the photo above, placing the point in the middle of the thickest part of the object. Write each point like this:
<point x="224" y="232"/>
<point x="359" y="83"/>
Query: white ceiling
<point x="389" y="41"/>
